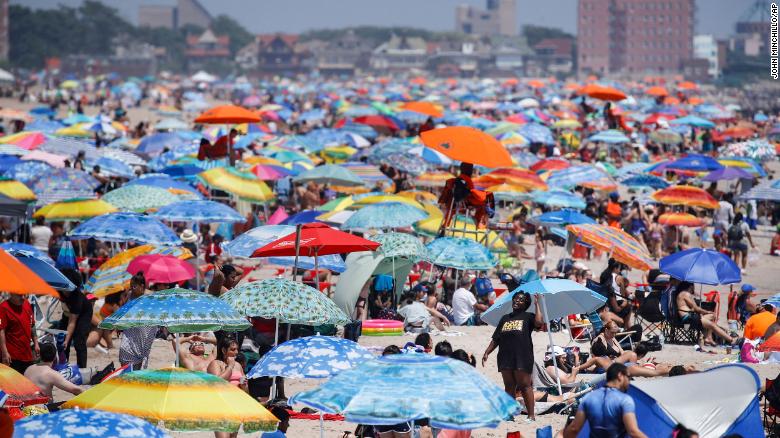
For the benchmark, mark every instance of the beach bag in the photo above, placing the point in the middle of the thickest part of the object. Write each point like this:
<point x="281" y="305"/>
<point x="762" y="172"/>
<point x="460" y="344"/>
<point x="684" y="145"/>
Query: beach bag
<point x="483" y="286"/>
<point x="772" y="393"/>
<point x="353" y="330"/>
<point x="735" y="233"/>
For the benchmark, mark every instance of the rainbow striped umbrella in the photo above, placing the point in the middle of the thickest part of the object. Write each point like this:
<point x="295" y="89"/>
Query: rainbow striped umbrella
<point x="16" y="190"/>
<point x="28" y="140"/>
<point x="620" y="244"/>
<point x="518" y="177"/>
<point x="685" y="195"/>
<point x="20" y="390"/>
<point x="180" y="400"/>
<point x="432" y="179"/>
<point x="242" y="184"/>
<point x="680" y="219"/>
<point x="508" y="192"/>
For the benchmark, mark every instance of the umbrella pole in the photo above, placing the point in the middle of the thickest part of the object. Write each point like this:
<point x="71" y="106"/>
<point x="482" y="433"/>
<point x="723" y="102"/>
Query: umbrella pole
<point x="316" y="269"/>
<point x="297" y="250"/>
<point x="176" y="338"/>
<point x="276" y="342"/>
<point x="549" y="335"/>
<point x="322" y="426"/>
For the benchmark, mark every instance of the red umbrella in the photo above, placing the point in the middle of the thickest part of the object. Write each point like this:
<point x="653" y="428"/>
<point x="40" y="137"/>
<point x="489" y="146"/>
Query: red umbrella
<point x="158" y="268"/>
<point x="550" y="164"/>
<point x="316" y="239"/>
<point x="377" y="122"/>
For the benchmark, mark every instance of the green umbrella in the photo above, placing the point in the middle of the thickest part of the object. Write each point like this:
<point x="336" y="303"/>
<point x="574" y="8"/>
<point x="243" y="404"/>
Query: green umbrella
<point x="400" y="245"/>
<point x="139" y="198"/>
<point x="329" y="174"/>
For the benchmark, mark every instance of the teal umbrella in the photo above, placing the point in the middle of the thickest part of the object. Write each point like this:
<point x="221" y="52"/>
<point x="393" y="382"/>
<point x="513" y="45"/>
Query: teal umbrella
<point x="400" y="245"/>
<point x="139" y="198"/>
<point x="329" y="174"/>
<point x="460" y="253"/>
<point x="384" y="215"/>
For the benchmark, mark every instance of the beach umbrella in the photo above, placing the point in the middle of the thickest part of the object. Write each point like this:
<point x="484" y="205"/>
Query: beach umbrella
<point x="680" y="219"/>
<point x="602" y="93"/>
<point x="50" y="195"/>
<point x="268" y="172"/>
<point x="164" y="182"/>
<point x="199" y="211"/>
<point x="428" y="108"/>
<point x="302" y="217"/>
<point x="19" y="279"/>
<point x="310" y="357"/>
<point x="13" y="247"/>
<point x="536" y="133"/>
<point x="727" y="173"/>
<point x="126" y="227"/>
<point x="112" y="276"/>
<point x="9" y="149"/>
<point x="45" y="270"/>
<point x="178" y="310"/>
<point x="178" y="399"/>
<point x="383" y="216"/>
<point x="666" y="136"/>
<point x="685" y="195"/>
<point x="462" y="226"/>
<point x="170" y="124"/>
<point x="762" y="192"/>
<point x="574" y="176"/>
<point x="242" y="184"/>
<point x="386" y="391"/>
<point x="20" y="390"/>
<point x="159" y="268"/>
<point x="460" y="253"/>
<point x="371" y="198"/>
<point x="645" y="180"/>
<point x="550" y="164"/>
<point x="558" y="198"/>
<point x="75" y="210"/>
<point x="611" y="136"/>
<point x="53" y="160"/>
<point x="27" y="140"/>
<point x="88" y="423"/>
<point x="139" y="198"/>
<point x="621" y="246"/>
<point x="567" y="124"/>
<point x="698" y="265"/>
<point x="467" y="144"/>
<point x="400" y="245"/>
<point x="181" y="171"/>
<point x="508" y="192"/>
<point x="691" y="120"/>
<point x="65" y="178"/>
<point x="432" y="179"/>
<point x="696" y="163"/>
<point x="517" y="177"/>
<point x="561" y="217"/>
<point x="228" y="115"/>
<point x="315" y="239"/>
<point x="16" y="190"/>
<point x="66" y="257"/>
<point x="757" y="149"/>
<point x="329" y="174"/>
<point x="27" y="171"/>
<point x="112" y="167"/>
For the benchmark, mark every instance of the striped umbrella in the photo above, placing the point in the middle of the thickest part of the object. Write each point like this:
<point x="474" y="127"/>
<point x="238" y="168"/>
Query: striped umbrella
<point x="746" y="164"/>
<point x="20" y="390"/>
<point x="508" y="192"/>
<point x="139" y="198"/>
<point x="27" y="140"/>
<point x="611" y="136"/>
<point x="66" y="258"/>
<point x="199" y="211"/>
<point x="517" y="177"/>
<point x="680" y="219"/>
<point x="242" y="184"/>
<point x="762" y="192"/>
<point x="432" y="179"/>
<point x="620" y="244"/>
<point x="574" y="176"/>
<point x="460" y="253"/>
<point x="112" y="276"/>
<point x="379" y="198"/>
<point x="685" y="195"/>
<point x="268" y="172"/>
<point x="645" y="180"/>
<point x="550" y="164"/>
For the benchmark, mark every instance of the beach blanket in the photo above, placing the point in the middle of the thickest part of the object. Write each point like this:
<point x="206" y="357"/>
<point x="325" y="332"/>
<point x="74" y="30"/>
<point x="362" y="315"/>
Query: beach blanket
<point x="303" y="416"/>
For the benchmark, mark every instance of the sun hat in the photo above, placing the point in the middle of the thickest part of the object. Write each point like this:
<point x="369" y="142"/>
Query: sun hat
<point x="188" y="236"/>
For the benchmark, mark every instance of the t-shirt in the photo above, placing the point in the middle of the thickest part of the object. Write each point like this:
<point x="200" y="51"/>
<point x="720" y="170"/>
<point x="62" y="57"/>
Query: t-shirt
<point x="724" y="214"/>
<point x="462" y="305"/>
<point x="604" y="409"/>
<point x="40" y="236"/>
<point x="17" y="322"/>
<point x="756" y="325"/>
<point x="415" y="314"/>
<point x="513" y="336"/>
<point x="76" y="303"/>
<point x="274" y="434"/>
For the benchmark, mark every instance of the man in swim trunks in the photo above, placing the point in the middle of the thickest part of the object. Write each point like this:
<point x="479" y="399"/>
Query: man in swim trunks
<point x="691" y="313"/>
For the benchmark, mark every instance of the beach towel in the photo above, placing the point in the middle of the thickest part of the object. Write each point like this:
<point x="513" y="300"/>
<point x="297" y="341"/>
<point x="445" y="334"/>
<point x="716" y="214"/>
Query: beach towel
<point x="304" y="416"/>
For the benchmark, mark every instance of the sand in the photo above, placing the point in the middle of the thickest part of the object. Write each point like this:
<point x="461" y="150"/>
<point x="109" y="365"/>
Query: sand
<point x="763" y="275"/>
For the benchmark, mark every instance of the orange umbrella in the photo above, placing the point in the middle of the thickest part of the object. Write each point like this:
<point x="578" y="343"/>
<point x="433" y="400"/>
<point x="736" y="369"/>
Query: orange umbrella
<point x="419" y="80"/>
<point x="227" y="115"/>
<point x="535" y="83"/>
<point x="469" y="145"/>
<point x="680" y="219"/>
<point x="19" y="279"/>
<point x="517" y="177"/>
<point x="657" y="91"/>
<point x="737" y="132"/>
<point x="550" y="164"/>
<point x="695" y="100"/>
<point x="426" y="108"/>
<point x="602" y="93"/>
<point x="671" y="100"/>
<point x="685" y="195"/>
<point x="511" y="82"/>
<point x="623" y="247"/>
<point x="21" y="390"/>
<point x="687" y="85"/>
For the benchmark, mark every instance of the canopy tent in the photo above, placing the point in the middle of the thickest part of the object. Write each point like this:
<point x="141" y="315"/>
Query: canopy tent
<point x="12" y="207"/>
<point x="361" y="266"/>
<point x="699" y="401"/>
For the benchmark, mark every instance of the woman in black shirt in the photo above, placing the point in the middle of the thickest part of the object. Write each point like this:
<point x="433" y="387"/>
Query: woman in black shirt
<point x="516" y="350"/>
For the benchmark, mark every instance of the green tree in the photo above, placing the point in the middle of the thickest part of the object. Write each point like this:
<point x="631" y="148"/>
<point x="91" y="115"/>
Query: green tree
<point x="535" y="34"/>
<point x="239" y="36"/>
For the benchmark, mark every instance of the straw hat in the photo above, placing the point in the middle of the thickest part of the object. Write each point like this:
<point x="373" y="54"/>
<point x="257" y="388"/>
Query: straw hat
<point x="188" y="236"/>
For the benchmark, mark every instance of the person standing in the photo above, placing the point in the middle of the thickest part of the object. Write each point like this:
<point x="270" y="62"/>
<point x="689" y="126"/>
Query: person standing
<point x="41" y="235"/>
<point x="16" y="333"/>
<point x="738" y="236"/>
<point x="515" y="359"/>
<point x="76" y="318"/>
<point x="609" y="411"/>
<point x="135" y="343"/>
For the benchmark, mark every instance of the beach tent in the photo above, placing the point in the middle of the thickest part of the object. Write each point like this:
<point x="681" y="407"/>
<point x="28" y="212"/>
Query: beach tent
<point x="12" y="207"/>
<point x="716" y="402"/>
<point x="361" y="266"/>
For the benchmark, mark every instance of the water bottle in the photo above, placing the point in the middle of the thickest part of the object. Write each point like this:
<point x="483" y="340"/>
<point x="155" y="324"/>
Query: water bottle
<point x="661" y="339"/>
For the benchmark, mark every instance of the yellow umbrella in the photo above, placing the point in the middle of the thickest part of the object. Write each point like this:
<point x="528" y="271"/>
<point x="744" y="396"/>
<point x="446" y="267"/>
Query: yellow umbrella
<point x="432" y="179"/>
<point x="75" y="210"/>
<point x="69" y="84"/>
<point x="376" y="199"/>
<point x="419" y="195"/>
<point x="16" y="190"/>
<point x="181" y="399"/>
<point x="74" y="131"/>
<point x="242" y="184"/>
<point x="262" y="160"/>
<point x="430" y="227"/>
<point x="112" y="276"/>
<point x="337" y="154"/>
<point x="567" y="124"/>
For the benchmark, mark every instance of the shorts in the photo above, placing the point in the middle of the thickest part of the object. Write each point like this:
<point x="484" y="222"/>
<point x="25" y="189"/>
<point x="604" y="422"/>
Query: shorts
<point x="738" y="246"/>
<point x="692" y="318"/>
<point x="397" y="428"/>
<point x="623" y="312"/>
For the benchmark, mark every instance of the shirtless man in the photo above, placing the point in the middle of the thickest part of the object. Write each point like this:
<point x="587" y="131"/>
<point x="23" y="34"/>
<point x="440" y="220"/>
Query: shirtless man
<point x="47" y="378"/>
<point x="196" y="359"/>
<point x="691" y="313"/>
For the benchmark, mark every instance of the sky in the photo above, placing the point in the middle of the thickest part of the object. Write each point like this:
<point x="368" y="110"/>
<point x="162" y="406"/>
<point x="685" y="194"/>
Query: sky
<point x="716" y="17"/>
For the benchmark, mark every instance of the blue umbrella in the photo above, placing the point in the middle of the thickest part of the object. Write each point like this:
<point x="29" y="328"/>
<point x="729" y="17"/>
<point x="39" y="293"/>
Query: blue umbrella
<point x="727" y="173"/>
<point x="66" y="258"/>
<point x="155" y="143"/>
<point x="126" y="227"/>
<point x="525" y="159"/>
<point x="303" y="217"/>
<point x="561" y="217"/>
<point x="460" y="253"/>
<point x="536" y="133"/>
<point x="113" y="167"/>
<point x="704" y="266"/>
<point x="384" y="215"/>
<point x="199" y="211"/>
<point x="645" y="180"/>
<point x="696" y="163"/>
<point x="86" y="423"/>
<point x="311" y="357"/>
<point x="44" y="125"/>
<point x="165" y="182"/>
<point x="632" y="168"/>
<point x="558" y="198"/>
<point x="695" y="121"/>
<point x="387" y="391"/>
<point x="8" y="161"/>
<point x="46" y="271"/>
<point x="35" y="252"/>
<point x="574" y="176"/>
<point x="611" y="136"/>
<point x="182" y="170"/>
<point x="27" y="171"/>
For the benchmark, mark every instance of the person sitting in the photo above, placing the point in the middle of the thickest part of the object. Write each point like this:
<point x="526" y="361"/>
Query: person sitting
<point x="614" y="281"/>
<point x="758" y="324"/>
<point x="774" y="328"/>
<point x="110" y="305"/>
<point x="774" y="245"/>
<point x="284" y="423"/>
<point x="443" y="348"/>
<point x="465" y="305"/>
<point x="418" y="317"/>
<point x="566" y="373"/>
<point x="606" y="345"/>
<point x="195" y="358"/>
<point x="691" y="313"/>
<point x="461" y="189"/>
<point x="45" y="377"/>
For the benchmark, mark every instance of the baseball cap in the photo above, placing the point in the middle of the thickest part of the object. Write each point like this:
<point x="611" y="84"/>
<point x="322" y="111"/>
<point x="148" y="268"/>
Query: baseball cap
<point x="748" y="288"/>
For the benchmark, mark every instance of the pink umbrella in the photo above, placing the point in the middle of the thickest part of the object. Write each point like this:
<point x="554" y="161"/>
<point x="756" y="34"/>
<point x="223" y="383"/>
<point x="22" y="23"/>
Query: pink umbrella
<point x="51" y="159"/>
<point x="158" y="268"/>
<point x="268" y="172"/>
<point x="277" y="217"/>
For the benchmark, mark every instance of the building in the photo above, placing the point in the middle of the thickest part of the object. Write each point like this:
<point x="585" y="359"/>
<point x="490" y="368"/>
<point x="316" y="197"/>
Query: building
<point x="706" y="47"/>
<point x="135" y="60"/>
<point x="634" y="36"/>
<point x="206" y="49"/>
<point x="5" y="46"/>
<point x="345" y="55"/>
<point x="499" y="18"/>
<point x="280" y="55"/>
<point x="400" y="53"/>
<point x="551" y="56"/>
<point x="183" y="13"/>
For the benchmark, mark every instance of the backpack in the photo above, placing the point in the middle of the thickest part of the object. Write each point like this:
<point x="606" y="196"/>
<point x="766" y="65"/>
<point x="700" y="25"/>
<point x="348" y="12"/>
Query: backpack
<point x="483" y="286"/>
<point x="735" y="233"/>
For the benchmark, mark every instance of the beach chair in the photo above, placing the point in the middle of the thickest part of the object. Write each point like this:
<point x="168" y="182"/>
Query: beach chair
<point x="770" y="414"/>
<point x="677" y="332"/>
<point x="543" y="382"/>
<point x="647" y="312"/>
<point x="622" y="337"/>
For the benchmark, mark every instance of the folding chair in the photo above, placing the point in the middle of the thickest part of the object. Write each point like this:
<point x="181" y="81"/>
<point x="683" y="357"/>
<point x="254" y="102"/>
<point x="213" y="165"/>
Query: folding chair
<point x="647" y="312"/>
<point x="598" y="326"/>
<point x="770" y="414"/>
<point x="678" y="332"/>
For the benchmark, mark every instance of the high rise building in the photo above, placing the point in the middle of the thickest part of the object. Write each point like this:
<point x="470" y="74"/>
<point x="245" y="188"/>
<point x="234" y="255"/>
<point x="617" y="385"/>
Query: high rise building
<point x="4" y="39"/>
<point x="499" y="18"/>
<point x="634" y="36"/>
